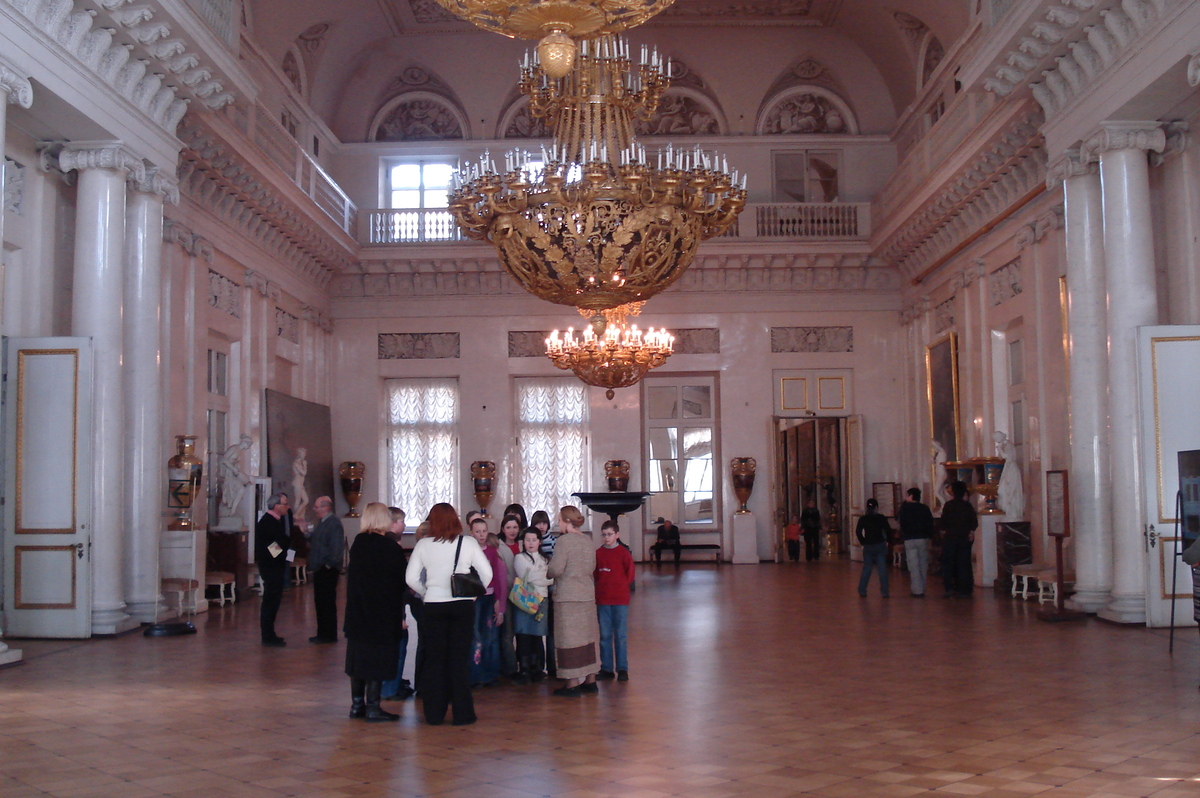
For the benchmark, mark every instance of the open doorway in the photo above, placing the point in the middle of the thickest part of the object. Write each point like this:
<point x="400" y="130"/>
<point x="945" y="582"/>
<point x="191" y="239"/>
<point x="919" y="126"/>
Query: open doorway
<point x="815" y="461"/>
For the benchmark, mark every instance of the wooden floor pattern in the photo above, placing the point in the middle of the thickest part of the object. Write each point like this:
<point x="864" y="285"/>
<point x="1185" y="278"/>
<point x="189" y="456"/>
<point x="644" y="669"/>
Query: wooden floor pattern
<point x="767" y="680"/>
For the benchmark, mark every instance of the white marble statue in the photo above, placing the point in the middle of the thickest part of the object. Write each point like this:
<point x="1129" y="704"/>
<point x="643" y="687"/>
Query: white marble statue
<point x="941" y="480"/>
<point x="1010" y="495"/>
<point x="299" y="474"/>
<point x="234" y="483"/>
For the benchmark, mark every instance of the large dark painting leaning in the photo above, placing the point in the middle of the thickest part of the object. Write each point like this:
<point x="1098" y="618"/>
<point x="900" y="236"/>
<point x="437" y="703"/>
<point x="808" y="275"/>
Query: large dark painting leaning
<point x="299" y="451"/>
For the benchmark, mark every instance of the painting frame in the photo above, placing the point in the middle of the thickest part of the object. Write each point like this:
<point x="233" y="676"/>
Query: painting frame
<point x="941" y="394"/>
<point x="299" y="450"/>
<point x="1058" y="504"/>
<point x="887" y="494"/>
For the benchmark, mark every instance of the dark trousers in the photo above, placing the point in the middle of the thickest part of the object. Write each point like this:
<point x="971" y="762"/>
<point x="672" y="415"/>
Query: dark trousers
<point x="956" y="566"/>
<point x="272" y="579"/>
<point x="446" y="629"/>
<point x="666" y="544"/>
<point x="812" y="546"/>
<point x="793" y="548"/>
<point x="531" y="653"/>
<point x="325" y="582"/>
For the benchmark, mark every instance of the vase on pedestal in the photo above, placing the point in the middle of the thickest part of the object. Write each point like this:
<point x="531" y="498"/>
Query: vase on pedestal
<point x="351" y="473"/>
<point x="743" y="469"/>
<point x="184" y="472"/>
<point x="617" y="473"/>
<point x="992" y="468"/>
<point x="483" y="477"/>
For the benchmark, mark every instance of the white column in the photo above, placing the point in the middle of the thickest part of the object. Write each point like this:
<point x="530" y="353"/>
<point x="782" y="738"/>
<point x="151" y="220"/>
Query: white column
<point x="144" y="456"/>
<point x="1091" y="485"/>
<point x="1132" y="302"/>
<point x="16" y="89"/>
<point x="97" y="309"/>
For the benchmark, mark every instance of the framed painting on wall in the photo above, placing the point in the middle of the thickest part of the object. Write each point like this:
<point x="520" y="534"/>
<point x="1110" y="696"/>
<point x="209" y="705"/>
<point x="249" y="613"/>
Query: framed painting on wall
<point x="299" y="451"/>
<point x="888" y="496"/>
<point x="941" y="371"/>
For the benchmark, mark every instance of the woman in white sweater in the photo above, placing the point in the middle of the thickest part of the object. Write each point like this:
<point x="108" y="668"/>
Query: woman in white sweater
<point x="447" y="622"/>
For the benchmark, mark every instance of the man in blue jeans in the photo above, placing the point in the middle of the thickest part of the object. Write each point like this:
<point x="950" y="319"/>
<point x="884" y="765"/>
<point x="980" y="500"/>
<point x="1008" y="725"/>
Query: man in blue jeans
<point x="613" y="575"/>
<point x="873" y="532"/>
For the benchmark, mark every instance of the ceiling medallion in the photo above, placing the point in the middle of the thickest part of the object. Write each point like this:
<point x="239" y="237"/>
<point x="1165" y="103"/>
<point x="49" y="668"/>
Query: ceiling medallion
<point x="597" y="221"/>
<point x="610" y="353"/>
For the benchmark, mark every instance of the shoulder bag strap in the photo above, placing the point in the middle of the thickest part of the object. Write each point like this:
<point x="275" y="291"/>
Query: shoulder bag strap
<point x="457" y="550"/>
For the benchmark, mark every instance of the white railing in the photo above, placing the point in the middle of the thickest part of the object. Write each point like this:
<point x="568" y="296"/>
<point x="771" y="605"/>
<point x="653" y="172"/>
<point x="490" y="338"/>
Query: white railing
<point x="815" y="221"/>
<point x="221" y="16"/>
<point x="818" y="221"/>
<point x="286" y="153"/>
<point x="407" y="226"/>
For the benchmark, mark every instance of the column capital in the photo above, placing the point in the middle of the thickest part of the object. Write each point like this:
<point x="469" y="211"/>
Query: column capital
<point x="1122" y="135"/>
<point x="81" y="155"/>
<point x="156" y="181"/>
<point x="16" y="85"/>
<point x="1069" y="164"/>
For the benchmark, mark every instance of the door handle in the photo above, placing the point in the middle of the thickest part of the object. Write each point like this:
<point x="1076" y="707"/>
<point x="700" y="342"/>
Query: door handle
<point x="79" y="550"/>
<point x="1152" y="536"/>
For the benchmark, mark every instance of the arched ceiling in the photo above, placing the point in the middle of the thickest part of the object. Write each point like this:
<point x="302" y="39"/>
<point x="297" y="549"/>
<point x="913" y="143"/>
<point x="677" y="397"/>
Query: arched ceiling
<point x="341" y="40"/>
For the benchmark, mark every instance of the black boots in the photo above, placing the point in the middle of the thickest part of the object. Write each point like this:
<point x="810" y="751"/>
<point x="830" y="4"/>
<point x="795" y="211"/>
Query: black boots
<point x="358" y="705"/>
<point x="375" y="712"/>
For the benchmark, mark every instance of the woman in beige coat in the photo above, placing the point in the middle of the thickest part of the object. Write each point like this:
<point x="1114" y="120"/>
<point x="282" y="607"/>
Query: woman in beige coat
<point x="576" y="632"/>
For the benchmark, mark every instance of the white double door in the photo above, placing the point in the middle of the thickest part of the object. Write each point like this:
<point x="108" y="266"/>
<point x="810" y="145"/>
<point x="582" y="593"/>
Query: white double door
<point x="47" y="444"/>
<point x="1169" y="375"/>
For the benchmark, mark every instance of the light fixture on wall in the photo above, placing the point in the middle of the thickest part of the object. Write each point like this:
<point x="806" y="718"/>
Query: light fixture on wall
<point x="598" y="222"/>
<point x="610" y="353"/>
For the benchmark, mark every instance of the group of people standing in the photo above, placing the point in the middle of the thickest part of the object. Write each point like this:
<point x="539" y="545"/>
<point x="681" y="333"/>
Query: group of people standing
<point x="572" y="623"/>
<point x="958" y="524"/>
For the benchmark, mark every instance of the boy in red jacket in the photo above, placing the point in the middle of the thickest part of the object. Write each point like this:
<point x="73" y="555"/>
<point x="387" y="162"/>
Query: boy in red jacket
<point x="614" y="575"/>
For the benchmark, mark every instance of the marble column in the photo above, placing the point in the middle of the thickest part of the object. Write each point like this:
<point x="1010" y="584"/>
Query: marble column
<point x="1091" y="485"/>
<point x="16" y="89"/>
<point x="1122" y="148"/>
<point x="96" y="313"/>
<point x="144" y="456"/>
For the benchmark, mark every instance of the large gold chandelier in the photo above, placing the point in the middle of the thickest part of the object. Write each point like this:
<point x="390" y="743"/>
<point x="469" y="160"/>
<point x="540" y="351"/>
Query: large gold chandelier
<point x="597" y="221"/>
<point x="612" y="355"/>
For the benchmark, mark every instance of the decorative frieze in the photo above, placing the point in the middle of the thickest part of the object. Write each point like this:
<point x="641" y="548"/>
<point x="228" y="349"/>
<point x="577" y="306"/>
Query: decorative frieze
<point x="287" y="326"/>
<point x="527" y="343"/>
<point x="699" y="340"/>
<point x="224" y="294"/>
<point x="418" y="346"/>
<point x="943" y="316"/>
<point x="812" y="339"/>
<point x="178" y="233"/>
<point x="14" y="186"/>
<point x="1005" y="282"/>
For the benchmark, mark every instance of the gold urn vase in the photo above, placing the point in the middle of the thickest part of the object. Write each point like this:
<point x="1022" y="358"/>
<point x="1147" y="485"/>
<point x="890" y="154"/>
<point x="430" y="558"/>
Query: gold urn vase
<point x="993" y="468"/>
<point x="483" y="478"/>
<point x="743" y="469"/>
<point x="351" y="473"/>
<point x="617" y="472"/>
<point x="184" y="472"/>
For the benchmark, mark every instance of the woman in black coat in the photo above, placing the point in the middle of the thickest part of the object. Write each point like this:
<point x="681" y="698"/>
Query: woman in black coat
<point x="375" y="599"/>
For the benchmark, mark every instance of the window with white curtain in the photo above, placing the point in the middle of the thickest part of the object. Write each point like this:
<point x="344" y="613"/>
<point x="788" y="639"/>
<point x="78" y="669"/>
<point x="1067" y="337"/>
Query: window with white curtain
<point x="552" y="437"/>
<point x="422" y="444"/>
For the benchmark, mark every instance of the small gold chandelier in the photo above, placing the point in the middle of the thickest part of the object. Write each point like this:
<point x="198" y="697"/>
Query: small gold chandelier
<point x="610" y="353"/>
<point x="598" y="222"/>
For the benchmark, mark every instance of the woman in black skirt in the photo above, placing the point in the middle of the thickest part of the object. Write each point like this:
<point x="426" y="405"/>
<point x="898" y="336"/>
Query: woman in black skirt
<point x="375" y="597"/>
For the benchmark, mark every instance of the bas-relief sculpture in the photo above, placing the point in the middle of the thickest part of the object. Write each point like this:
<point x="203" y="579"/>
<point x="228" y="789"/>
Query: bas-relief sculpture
<point x="812" y="339"/>
<point x="524" y="125"/>
<point x="1005" y="282"/>
<point x="14" y="186"/>
<point x="697" y="341"/>
<point x="419" y="120"/>
<point x="224" y="294"/>
<point x="805" y="113"/>
<point x="287" y="326"/>
<point x="943" y="316"/>
<point x="418" y="346"/>
<point x="679" y="115"/>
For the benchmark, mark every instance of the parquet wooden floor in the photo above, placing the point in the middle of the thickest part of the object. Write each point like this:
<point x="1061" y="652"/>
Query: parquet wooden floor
<point x="767" y="680"/>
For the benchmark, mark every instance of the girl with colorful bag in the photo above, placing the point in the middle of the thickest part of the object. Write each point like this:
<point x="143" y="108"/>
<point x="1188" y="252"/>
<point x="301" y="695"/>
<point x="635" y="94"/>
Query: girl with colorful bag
<point x="531" y="568"/>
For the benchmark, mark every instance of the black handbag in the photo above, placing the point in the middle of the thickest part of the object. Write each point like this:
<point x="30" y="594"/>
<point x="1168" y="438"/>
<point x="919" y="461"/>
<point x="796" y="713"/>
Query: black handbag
<point x="467" y="585"/>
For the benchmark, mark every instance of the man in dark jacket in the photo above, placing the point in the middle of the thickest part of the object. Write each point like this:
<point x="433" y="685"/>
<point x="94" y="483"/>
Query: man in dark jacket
<point x="959" y="523"/>
<point x="271" y="543"/>
<point x="810" y="524"/>
<point x="916" y="528"/>
<point x="873" y="532"/>
<point x="326" y="550"/>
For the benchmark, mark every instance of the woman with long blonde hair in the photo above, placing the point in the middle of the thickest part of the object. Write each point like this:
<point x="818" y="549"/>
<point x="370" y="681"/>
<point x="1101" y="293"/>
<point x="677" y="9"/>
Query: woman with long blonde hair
<point x="375" y="599"/>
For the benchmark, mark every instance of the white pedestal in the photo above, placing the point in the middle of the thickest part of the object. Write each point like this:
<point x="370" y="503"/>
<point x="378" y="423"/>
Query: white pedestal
<point x="745" y="538"/>
<point x="9" y="655"/>
<point x="182" y="555"/>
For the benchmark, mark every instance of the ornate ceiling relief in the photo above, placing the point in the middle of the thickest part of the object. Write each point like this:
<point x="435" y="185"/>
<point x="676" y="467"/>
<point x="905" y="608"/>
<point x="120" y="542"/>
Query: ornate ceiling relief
<point x="680" y="113"/>
<point x="697" y="341"/>
<point x="800" y="12"/>
<point x="291" y="70"/>
<point x="429" y="11"/>
<point x="527" y="343"/>
<point x="421" y="108"/>
<point x="806" y="99"/>
<point x="518" y="123"/>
